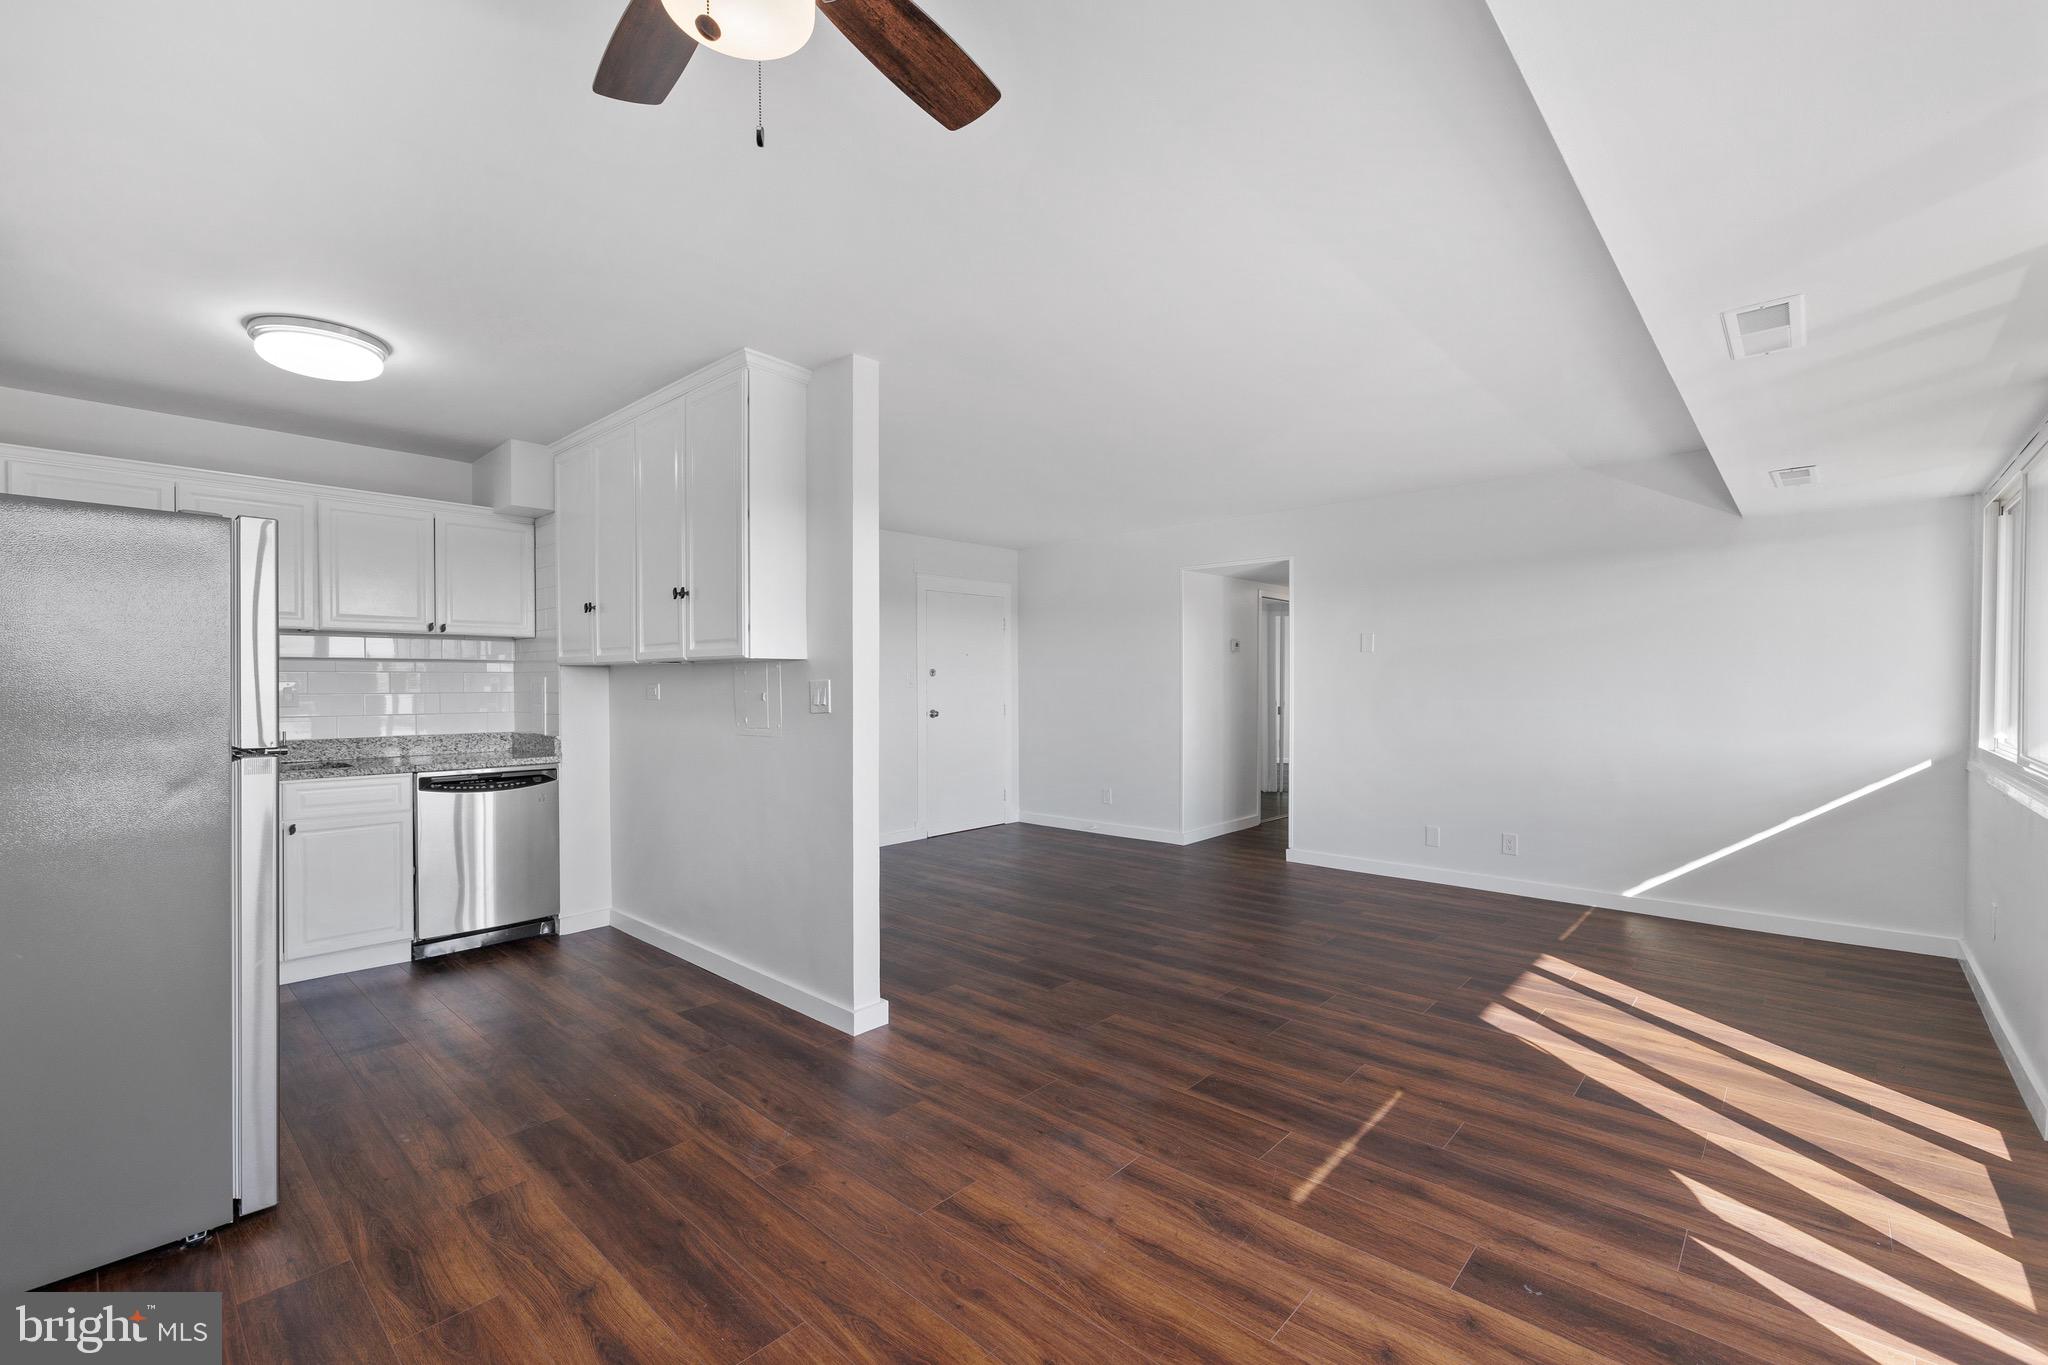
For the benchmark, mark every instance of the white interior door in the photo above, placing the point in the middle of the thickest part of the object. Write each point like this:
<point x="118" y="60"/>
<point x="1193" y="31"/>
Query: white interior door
<point x="1275" y="725"/>
<point x="964" y="655"/>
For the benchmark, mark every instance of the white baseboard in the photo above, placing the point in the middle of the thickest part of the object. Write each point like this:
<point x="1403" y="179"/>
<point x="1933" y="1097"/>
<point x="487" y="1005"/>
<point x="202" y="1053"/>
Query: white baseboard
<point x="1761" y="921"/>
<point x="1145" y="832"/>
<point x="901" y="836"/>
<point x="1219" y="829"/>
<point x="582" y="919"/>
<point x="351" y="960"/>
<point x="845" y="1018"/>
<point x="2032" y="1091"/>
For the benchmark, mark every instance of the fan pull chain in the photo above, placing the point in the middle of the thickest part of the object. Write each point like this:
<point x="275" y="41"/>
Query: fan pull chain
<point x="760" y="106"/>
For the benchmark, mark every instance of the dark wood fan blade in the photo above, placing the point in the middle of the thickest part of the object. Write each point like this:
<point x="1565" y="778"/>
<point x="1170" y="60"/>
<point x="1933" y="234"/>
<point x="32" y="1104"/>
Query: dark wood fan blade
<point x="646" y="55"/>
<point x="915" y="53"/>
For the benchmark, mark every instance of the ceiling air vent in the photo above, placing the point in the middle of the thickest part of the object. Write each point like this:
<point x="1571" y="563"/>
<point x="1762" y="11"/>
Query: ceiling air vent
<point x="1795" y="476"/>
<point x="1765" y="328"/>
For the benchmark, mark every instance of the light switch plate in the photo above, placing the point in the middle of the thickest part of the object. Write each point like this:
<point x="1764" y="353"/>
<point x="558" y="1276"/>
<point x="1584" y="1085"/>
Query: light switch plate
<point x="821" y="696"/>
<point x="654" y="691"/>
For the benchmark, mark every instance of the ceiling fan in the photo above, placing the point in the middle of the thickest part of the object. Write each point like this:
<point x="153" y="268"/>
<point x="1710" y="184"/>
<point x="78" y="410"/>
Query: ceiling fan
<point x="655" y="40"/>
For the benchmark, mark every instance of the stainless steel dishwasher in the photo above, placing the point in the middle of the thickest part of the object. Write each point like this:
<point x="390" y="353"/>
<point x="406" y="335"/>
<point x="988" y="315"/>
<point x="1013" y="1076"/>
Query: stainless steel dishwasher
<point x="485" y="858"/>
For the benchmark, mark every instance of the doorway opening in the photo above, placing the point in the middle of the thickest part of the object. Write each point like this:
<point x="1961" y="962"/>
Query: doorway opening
<point x="1237" y="680"/>
<point x="1276" y="726"/>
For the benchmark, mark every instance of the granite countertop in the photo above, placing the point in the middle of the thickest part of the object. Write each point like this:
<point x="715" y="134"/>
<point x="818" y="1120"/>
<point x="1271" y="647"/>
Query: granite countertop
<point x="313" y="760"/>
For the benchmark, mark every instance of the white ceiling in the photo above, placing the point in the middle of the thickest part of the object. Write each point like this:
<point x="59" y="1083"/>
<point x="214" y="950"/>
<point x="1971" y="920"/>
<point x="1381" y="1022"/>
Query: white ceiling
<point x="1887" y="158"/>
<point x="1183" y="270"/>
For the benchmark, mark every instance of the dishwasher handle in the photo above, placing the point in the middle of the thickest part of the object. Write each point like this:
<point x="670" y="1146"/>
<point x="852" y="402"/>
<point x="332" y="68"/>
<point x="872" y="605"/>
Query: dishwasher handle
<point x="485" y="782"/>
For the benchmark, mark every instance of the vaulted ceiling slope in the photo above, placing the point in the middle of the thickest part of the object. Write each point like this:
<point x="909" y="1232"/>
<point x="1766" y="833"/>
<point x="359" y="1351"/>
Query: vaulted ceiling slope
<point x="1886" y="158"/>
<point x="1204" y="258"/>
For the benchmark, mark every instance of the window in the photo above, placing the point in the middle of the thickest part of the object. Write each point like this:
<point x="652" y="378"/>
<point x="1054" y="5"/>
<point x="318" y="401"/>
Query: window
<point x="2012" y="701"/>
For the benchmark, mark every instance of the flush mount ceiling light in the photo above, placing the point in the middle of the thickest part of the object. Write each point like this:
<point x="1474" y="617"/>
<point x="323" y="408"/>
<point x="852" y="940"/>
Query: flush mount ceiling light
<point x="751" y="30"/>
<point x="317" y="349"/>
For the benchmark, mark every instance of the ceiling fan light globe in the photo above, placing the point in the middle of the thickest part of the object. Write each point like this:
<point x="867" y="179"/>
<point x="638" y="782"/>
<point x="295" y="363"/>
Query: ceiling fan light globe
<point x="751" y="30"/>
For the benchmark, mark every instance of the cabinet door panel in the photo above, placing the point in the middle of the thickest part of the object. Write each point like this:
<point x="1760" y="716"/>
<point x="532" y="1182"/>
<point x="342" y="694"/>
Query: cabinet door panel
<point x="617" y="593"/>
<point x="657" y="444"/>
<point x="575" y="554"/>
<point x="298" y="565"/>
<point x="117" y="487"/>
<point x="347" y="884"/>
<point x="376" y="567"/>
<point x="483" y="576"/>
<point x="715" y="519"/>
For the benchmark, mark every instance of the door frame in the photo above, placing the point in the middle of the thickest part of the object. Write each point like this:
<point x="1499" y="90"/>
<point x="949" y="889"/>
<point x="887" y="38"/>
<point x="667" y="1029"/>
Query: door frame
<point x="1270" y="612"/>
<point x="980" y="588"/>
<point x="1288" y="701"/>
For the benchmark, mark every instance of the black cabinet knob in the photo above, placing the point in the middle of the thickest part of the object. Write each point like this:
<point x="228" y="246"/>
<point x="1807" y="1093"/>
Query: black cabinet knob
<point x="933" y="714"/>
<point x="291" y="829"/>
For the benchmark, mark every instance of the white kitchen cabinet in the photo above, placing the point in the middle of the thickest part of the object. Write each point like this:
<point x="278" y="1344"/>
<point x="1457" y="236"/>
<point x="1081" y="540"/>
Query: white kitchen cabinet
<point x="576" y="554"/>
<point x="616" y="490"/>
<point x="346" y="886"/>
<point x="715" y="519"/>
<point x="376" y="567"/>
<point x="659" y="571"/>
<point x="118" y="484"/>
<point x="697" y="521"/>
<point x="295" y="513"/>
<point x="483" y="576"/>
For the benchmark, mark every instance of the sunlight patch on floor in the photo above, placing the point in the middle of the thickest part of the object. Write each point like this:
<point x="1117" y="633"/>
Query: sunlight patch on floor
<point x="1342" y="1150"/>
<point x="1936" y="1174"/>
<point x="1814" y="1251"/>
<point x="1944" y="1246"/>
<point x="1934" y="1119"/>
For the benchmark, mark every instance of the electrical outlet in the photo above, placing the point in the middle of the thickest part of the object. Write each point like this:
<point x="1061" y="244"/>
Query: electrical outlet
<point x="1511" y="845"/>
<point x="1108" y="797"/>
<point x="1432" y="836"/>
<point x="1368" y="644"/>
<point x="654" y="691"/>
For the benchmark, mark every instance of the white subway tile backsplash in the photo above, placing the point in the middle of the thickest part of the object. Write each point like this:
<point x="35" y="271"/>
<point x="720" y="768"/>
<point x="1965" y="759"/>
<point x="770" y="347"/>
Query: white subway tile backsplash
<point x="348" y="687"/>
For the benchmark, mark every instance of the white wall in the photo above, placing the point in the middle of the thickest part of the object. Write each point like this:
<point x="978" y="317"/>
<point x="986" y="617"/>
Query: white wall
<point x="2006" y="934"/>
<point x="904" y="557"/>
<point x="755" y="857"/>
<point x="58" y="423"/>
<point x="1626" y="677"/>
<point x="1219" y="701"/>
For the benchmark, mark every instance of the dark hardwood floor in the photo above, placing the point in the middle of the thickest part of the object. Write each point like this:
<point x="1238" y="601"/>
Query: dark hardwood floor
<point x="1141" y="1103"/>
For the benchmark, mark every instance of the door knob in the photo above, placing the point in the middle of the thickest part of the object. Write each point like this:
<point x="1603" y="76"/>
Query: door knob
<point x="933" y="714"/>
<point x="291" y="829"/>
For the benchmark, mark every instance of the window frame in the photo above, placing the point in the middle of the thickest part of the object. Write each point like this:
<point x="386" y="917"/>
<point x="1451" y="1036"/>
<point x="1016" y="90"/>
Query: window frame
<point x="1999" y="734"/>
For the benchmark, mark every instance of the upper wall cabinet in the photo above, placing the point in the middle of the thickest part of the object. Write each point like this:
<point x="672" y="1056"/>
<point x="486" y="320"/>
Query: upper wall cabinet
<point x="683" y="521"/>
<point x="359" y="562"/>
<point x="391" y="568"/>
<point x="483" y="575"/>
<point x="376" y="567"/>
<point x="298" y="567"/>
<point x="118" y="484"/>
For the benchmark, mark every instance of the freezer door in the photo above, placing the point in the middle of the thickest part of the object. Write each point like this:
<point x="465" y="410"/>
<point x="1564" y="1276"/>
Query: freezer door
<point x="116" y="979"/>
<point x="255" y="633"/>
<point x="255" y="889"/>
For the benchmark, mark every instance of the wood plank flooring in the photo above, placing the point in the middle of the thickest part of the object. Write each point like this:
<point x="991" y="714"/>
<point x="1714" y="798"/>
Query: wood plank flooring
<point x="1141" y="1103"/>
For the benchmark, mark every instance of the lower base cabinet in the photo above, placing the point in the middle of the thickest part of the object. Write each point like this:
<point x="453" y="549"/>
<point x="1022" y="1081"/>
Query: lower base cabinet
<point x="346" y="884"/>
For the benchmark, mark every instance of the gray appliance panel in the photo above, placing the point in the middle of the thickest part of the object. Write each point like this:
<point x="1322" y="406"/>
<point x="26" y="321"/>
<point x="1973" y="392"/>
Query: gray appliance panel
<point x="484" y="859"/>
<point x="116" y="982"/>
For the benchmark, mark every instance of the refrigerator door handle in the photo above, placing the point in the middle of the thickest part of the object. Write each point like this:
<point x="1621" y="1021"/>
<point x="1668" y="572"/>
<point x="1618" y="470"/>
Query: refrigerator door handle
<point x="255" y="635"/>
